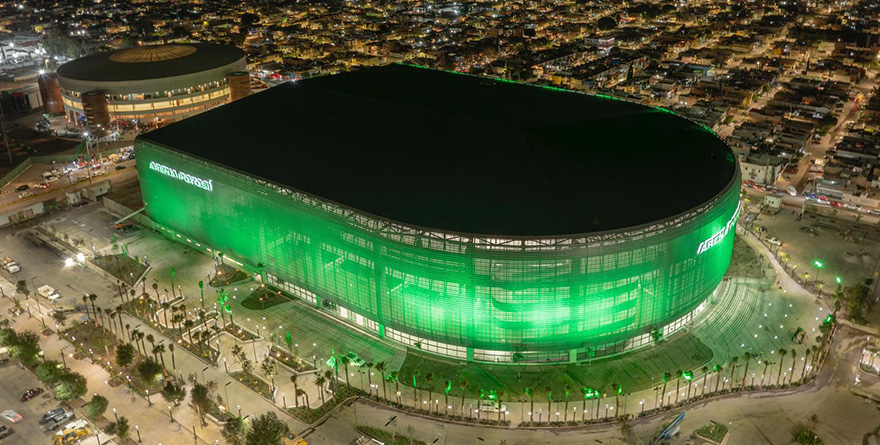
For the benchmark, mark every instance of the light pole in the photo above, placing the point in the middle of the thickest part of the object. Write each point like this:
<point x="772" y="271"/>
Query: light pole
<point x="283" y="401"/>
<point x="202" y="290"/>
<point x="239" y="410"/>
<point x="225" y="365"/>
<point x="116" y="416"/>
<point x="170" y="414"/>
<point x="150" y="402"/>
<point x="226" y="391"/>
<point x="819" y="266"/>
<point x="203" y="373"/>
<point x="136" y="428"/>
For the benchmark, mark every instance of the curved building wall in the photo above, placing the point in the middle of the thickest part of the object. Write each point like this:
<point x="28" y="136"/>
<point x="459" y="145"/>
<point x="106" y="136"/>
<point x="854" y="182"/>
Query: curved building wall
<point x="95" y="109"/>
<point x="464" y="295"/>
<point x="50" y="91"/>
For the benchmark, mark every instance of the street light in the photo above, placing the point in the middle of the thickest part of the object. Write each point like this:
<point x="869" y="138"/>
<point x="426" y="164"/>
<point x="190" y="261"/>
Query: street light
<point x="203" y="373"/>
<point x="170" y="414"/>
<point x="150" y="402"/>
<point x="225" y="366"/>
<point x="226" y="390"/>
<point x="116" y="416"/>
<point x="239" y="410"/>
<point x="136" y="428"/>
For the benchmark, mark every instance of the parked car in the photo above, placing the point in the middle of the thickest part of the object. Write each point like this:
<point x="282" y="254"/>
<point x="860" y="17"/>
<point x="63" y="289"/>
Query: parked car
<point x="15" y="311"/>
<point x="22" y="188"/>
<point x="355" y="359"/>
<point x="58" y="420"/>
<point x="4" y="431"/>
<point x="492" y="407"/>
<point x="23" y="195"/>
<point x="774" y="240"/>
<point x="50" y="414"/>
<point x="11" y="416"/>
<point x="31" y="393"/>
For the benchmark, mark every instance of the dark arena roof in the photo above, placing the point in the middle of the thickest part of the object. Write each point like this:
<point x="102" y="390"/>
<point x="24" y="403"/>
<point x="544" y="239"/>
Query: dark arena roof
<point x="150" y="62"/>
<point x="465" y="154"/>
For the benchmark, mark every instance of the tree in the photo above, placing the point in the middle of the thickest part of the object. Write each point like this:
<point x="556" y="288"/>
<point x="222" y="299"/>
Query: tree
<point x="380" y="366"/>
<point x="267" y="429"/>
<point x="92" y="298"/>
<point x="718" y="369"/>
<point x="59" y="318"/>
<point x="293" y="378"/>
<point x="566" y="389"/>
<point x="429" y="377"/>
<point x="173" y="392"/>
<point x="49" y="371"/>
<point x="234" y="431"/>
<point x="462" y="383"/>
<point x="97" y="406"/>
<point x="606" y="23"/>
<point x="549" y="392"/>
<point x="26" y="348"/>
<point x="803" y="434"/>
<point x="124" y="354"/>
<point x="149" y="370"/>
<point x="120" y="428"/>
<point x="301" y="393"/>
<point x="782" y="353"/>
<point x="666" y="376"/>
<point x="344" y="359"/>
<point x="678" y="375"/>
<point x="319" y="382"/>
<point x="733" y="362"/>
<point x="747" y="357"/>
<point x="201" y="399"/>
<point x="793" y="362"/>
<point x="70" y="385"/>
<point x="804" y="369"/>
<point x="269" y="370"/>
<point x="705" y="370"/>
<point x="171" y="348"/>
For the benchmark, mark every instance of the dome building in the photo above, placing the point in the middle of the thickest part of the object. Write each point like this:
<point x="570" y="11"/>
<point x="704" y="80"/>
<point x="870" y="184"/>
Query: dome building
<point x="150" y="85"/>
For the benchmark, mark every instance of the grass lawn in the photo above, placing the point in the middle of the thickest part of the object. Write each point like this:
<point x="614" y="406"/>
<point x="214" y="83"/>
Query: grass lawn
<point x="254" y="383"/>
<point x="634" y="371"/>
<point x="713" y="431"/>
<point x="264" y="298"/>
<point x="385" y="436"/>
<point x="227" y="275"/>
<point x="121" y="266"/>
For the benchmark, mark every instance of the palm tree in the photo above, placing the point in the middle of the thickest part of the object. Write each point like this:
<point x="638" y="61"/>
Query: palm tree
<point x="140" y="338"/>
<point x="416" y="398"/>
<point x="678" y="375"/>
<point x="393" y="377"/>
<point x="92" y="298"/>
<point x="300" y="393"/>
<point x="128" y="332"/>
<point x="152" y="341"/>
<point x="705" y="371"/>
<point x="718" y="369"/>
<point x="782" y="353"/>
<point x="766" y="365"/>
<point x="110" y="320"/>
<point x="804" y="369"/>
<point x="747" y="357"/>
<point x="100" y="313"/>
<point x="549" y="392"/>
<point x="616" y="388"/>
<point x="171" y="348"/>
<point x="295" y="389"/>
<point x="380" y="366"/>
<point x="567" y="391"/>
<point x="165" y="305"/>
<point x="369" y="366"/>
<point x="428" y="378"/>
<point x="175" y="321"/>
<point x="187" y="325"/>
<point x="815" y="350"/>
<point x="133" y="335"/>
<point x="344" y="359"/>
<point x="319" y="382"/>
<point x="584" y="392"/>
<point x="793" y="361"/>
<point x="733" y="362"/>
<point x="156" y="288"/>
<point x="463" y="383"/>
<point x="85" y="299"/>
<point x="160" y="350"/>
<point x="447" y="385"/>
<point x="666" y="376"/>
<point x="498" y="395"/>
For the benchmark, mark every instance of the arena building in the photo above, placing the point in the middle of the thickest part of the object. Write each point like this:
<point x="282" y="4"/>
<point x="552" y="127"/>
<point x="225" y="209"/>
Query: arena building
<point x="150" y="85"/>
<point x="473" y="218"/>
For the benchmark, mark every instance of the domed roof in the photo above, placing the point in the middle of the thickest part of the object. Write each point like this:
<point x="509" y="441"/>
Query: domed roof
<point x="150" y="62"/>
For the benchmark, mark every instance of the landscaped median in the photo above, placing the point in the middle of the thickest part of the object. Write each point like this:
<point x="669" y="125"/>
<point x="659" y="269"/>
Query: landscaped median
<point x="389" y="437"/>
<point x="191" y="332"/>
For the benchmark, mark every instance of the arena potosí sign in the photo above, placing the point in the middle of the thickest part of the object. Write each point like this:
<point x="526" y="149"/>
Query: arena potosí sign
<point x="719" y="235"/>
<point x="205" y="184"/>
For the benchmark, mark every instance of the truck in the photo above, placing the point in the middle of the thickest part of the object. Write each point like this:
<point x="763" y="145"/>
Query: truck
<point x="49" y="293"/>
<point x="9" y="265"/>
<point x="72" y="433"/>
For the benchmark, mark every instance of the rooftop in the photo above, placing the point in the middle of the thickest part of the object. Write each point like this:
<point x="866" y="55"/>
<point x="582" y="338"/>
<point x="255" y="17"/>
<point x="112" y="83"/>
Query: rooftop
<point x="150" y="62"/>
<point x="464" y="154"/>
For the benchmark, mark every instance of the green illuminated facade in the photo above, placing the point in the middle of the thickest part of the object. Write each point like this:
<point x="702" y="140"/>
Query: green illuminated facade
<point x="475" y="297"/>
<point x="469" y="297"/>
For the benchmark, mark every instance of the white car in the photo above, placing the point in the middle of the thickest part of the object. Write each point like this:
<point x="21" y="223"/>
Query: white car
<point x="25" y="194"/>
<point x="11" y="416"/>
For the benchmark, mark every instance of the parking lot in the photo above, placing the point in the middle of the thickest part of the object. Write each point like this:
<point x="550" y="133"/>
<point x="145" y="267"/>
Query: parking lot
<point x="15" y="381"/>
